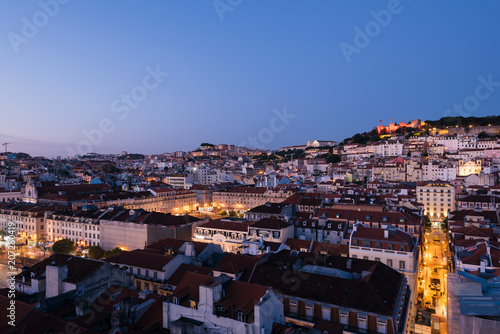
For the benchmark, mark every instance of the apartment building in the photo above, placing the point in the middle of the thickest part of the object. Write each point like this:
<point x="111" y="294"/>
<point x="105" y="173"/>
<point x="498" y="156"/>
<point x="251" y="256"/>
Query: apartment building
<point x="243" y="198"/>
<point x="438" y="199"/>
<point x="183" y="181"/>
<point x="390" y="149"/>
<point x="364" y="296"/>
<point x="389" y="173"/>
<point x="29" y="219"/>
<point x="391" y="246"/>
<point x="231" y="234"/>
<point x="222" y="305"/>
<point x="435" y="170"/>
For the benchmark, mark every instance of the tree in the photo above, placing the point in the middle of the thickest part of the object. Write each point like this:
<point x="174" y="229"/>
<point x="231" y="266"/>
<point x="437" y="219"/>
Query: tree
<point x="110" y="168"/>
<point x="43" y="248"/>
<point x="96" y="252"/>
<point x="113" y="252"/>
<point x="223" y="212"/>
<point x="333" y="158"/>
<point x="64" y="246"/>
<point x="232" y="213"/>
<point x="444" y="225"/>
<point x="483" y="135"/>
<point x="427" y="224"/>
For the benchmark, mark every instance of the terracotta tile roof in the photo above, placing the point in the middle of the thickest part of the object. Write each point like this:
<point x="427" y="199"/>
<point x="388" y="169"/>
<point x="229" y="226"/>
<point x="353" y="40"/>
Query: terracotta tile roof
<point x="36" y="322"/>
<point x="480" y="198"/>
<point x="476" y="232"/>
<point x="22" y="309"/>
<point x="271" y="223"/>
<point x="141" y="259"/>
<point x="271" y="208"/>
<point x="373" y="233"/>
<point x="298" y="244"/>
<point x="375" y="292"/>
<point x="235" y="263"/>
<point x="330" y="249"/>
<point x="78" y="268"/>
<point x="385" y="217"/>
<point x="222" y="224"/>
<point x="238" y="296"/>
<point x="474" y="256"/>
<point x="183" y="268"/>
<point x="163" y="245"/>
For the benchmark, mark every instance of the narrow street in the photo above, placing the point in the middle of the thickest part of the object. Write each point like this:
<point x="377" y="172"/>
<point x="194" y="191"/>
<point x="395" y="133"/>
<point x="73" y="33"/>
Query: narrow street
<point x="431" y="306"/>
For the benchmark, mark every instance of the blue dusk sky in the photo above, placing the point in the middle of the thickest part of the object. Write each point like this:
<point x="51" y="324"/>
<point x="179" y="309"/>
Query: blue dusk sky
<point x="161" y="76"/>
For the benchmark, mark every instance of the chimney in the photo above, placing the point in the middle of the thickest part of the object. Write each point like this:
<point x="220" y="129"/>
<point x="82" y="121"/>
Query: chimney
<point x="483" y="266"/>
<point x="209" y="293"/>
<point x="386" y="234"/>
<point x="54" y="278"/>
<point x="190" y="249"/>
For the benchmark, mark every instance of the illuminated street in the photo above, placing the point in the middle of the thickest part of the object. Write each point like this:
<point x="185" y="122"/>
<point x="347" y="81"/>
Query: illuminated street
<point x="432" y="280"/>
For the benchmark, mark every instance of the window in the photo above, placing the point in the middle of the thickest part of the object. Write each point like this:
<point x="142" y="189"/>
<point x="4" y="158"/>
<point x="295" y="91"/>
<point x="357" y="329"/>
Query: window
<point x="80" y="291"/>
<point x="138" y="271"/>
<point x="146" y="273"/>
<point x="175" y="300"/>
<point x="377" y="259"/>
<point x="362" y="321"/>
<point x="241" y="317"/>
<point x="293" y="306"/>
<point x="401" y="265"/>
<point x="381" y="326"/>
<point x="309" y="310"/>
<point x="326" y="313"/>
<point x="344" y="317"/>
<point x="389" y="263"/>
<point x="131" y="270"/>
<point x="192" y="304"/>
<point x="155" y="274"/>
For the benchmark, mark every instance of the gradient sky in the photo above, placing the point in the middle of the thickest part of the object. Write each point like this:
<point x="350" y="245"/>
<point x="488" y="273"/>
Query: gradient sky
<point x="227" y="76"/>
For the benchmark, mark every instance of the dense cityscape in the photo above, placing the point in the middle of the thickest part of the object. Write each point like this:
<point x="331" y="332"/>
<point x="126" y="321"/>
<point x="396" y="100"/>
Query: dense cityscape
<point x="249" y="167"/>
<point x="394" y="230"/>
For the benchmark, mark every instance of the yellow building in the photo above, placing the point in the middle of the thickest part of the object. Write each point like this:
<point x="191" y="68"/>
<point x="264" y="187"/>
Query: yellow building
<point x="438" y="199"/>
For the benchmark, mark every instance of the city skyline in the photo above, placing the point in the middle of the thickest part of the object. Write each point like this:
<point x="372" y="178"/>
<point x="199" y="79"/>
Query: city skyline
<point x="163" y="77"/>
